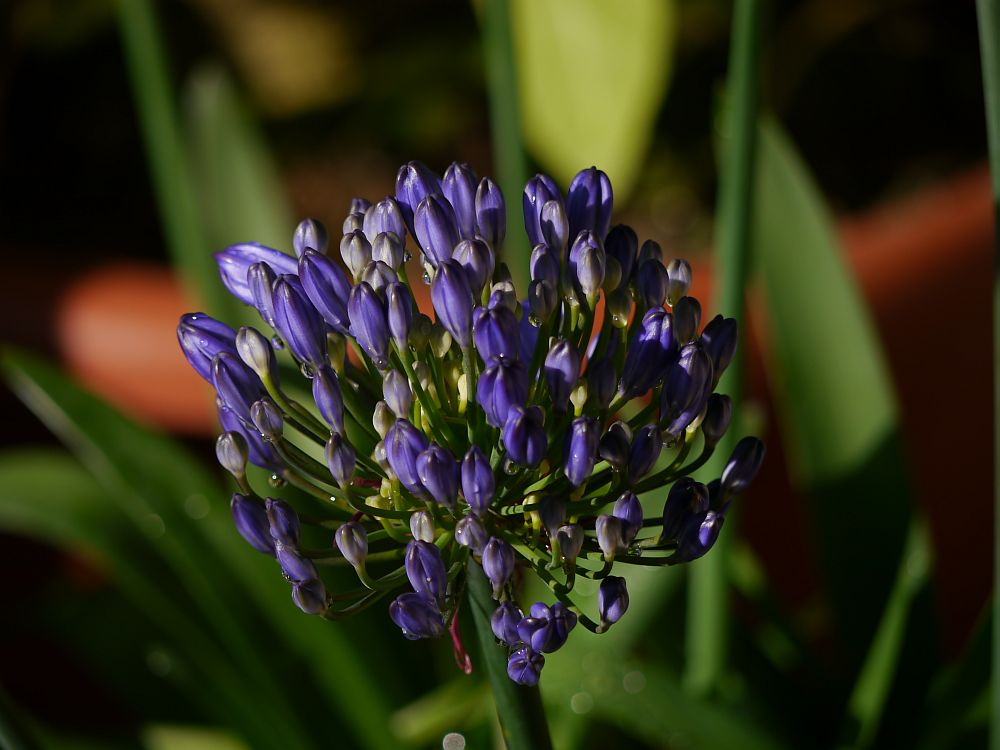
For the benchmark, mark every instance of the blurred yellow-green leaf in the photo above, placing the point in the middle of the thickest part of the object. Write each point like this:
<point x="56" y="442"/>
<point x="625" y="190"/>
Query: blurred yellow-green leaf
<point x="592" y="75"/>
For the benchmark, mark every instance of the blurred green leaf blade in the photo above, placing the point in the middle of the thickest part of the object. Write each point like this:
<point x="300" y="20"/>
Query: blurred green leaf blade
<point x="591" y="76"/>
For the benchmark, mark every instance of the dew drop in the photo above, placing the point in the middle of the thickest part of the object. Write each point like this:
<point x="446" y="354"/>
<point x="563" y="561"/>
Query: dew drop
<point x="510" y="467"/>
<point x="276" y="482"/>
<point x="426" y="277"/>
<point x="307" y="370"/>
<point x="534" y="320"/>
<point x="407" y="255"/>
<point x="277" y="343"/>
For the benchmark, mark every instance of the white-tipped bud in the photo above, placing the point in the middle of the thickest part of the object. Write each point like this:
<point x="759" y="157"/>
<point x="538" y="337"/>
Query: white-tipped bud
<point x="231" y="450"/>
<point x="678" y="280"/>
<point x="257" y="354"/>
<point x="570" y="539"/>
<point x="440" y="341"/>
<point x="422" y="526"/>
<point x="383" y="418"/>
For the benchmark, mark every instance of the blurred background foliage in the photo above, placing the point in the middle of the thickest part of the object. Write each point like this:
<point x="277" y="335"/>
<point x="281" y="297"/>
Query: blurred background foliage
<point x="139" y="136"/>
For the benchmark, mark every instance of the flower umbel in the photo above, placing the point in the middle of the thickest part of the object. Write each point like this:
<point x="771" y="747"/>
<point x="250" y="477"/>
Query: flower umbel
<point x="505" y="433"/>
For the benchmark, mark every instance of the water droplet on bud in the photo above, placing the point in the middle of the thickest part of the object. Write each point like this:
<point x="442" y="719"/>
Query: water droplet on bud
<point x="275" y="481"/>
<point x="277" y="343"/>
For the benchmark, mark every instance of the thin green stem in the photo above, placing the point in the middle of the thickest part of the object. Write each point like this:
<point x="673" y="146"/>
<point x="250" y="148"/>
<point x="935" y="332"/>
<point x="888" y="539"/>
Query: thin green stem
<point x="505" y="123"/>
<point x="989" y="43"/>
<point x="708" y="611"/>
<point x="519" y="708"/>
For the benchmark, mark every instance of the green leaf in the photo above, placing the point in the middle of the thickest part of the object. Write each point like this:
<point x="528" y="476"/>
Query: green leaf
<point x="242" y="198"/>
<point x="592" y="75"/>
<point x="839" y="424"/>
<point x="837" y="401"/>
<point x="173" y="737"/>
<point x="166" y="151"/>
<point x="162" y="489"/>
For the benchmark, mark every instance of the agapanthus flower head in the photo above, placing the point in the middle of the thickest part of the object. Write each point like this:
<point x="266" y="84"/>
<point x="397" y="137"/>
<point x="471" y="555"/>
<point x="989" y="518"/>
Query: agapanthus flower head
<point x="509" y="429"/>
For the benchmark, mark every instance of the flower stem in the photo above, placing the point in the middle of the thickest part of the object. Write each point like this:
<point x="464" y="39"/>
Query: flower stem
<point x="519" y="708"/>
<point x="708" y="611"/>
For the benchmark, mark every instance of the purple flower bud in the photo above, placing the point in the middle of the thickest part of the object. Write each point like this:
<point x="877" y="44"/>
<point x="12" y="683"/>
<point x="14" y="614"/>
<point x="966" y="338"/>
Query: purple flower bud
<point x="612" y="600"/>
<point x="252" y="524"/>
<point x="570" y="541"/>
<point x="687" y="318"/>
<point x="327" y="288"/>
<point x="498" y="563"/>
<point x="354" y="222"/>
<point x="257" y="353"/>
<point x="686" y="498"/>
<point x="477" y="480"/>
<point x="397" y="394"/>
<point x="284" y="523"/>
<point x="615" y="445"/>
<point x="552" y="513"/>
<point x="743" y="465"/>
<point x="470" y="532"/>
<point x="622" y="244"/>
<point x="542" y="299"/>
<point x="562" y="369"/>
<point x="235" y="261"/>
<point x="524" y="435"/>
<point x="356" y="251"/>
<point x="422" y="526"/>
<point x="399" y="306"/>
<point x="202" y="337"/>
<point x="585" y="244"/>
<point x="298" y="322"/>
<point x="231" y="450"/>
<point x="236" y="384"/>
<point x="718" y="415"/>
<point x="502" y="386"/>
<point x="525" y="666"/>
<point x="555" y="226"/>
<point x="629" y="511"/>
<point x="547" y="628"/>
<point x="425" y="570"/>
<point x="310" y="234"/>
<point x="438" y="472"/>
<point x="651" y="284"/>
<point x="581" y="451"/>
<point x="352" y="541"/>
<point x="360" y="205"/>
<point x="611" y="535"/>
<point x="679" y="279"/>
<point x="495" y="331"/>
<point x="266" y="417"/>
<point x="388" y="248"/>
<point x="719" y="339"/>
<point x="491" y="213"/>
<point x="417" y="615"/>
<point x="590" y="268"/>
<point x="698" y="536"/>
<point x="452" y="299"/>
<point x="403" y="443"/>
<point x="385" y="217"/>
<point x="259" y="452"/>
<point x="650" y="250"/>
<point x="504" y="621"/>
<point x="540" y="190"/>
<point x="478" y="261"/>
<point x="368" y="323"/>
<point x="260" y="281"/>
<point x="328" y="398"/>
<point x="436" y="228"/>
<point x="589" y="202"/>
<point x="544" y="264"/>
<point x="378" y="275"/>
<point x="459" y="187"/>
<point x="294" y="565"/>
<point x="650" y="353"/>
<point x="309" y="596"/>
<point x="686" y="390"/>
<point x="414" y="182"/>
<point x="601" y="382"/>
<point x="340" y="459"/>
<point x="645" y="451"/>
<point x="503" y="294"/>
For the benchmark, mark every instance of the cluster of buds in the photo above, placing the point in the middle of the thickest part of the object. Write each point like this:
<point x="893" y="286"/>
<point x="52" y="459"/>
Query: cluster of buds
<point x="505" y="433"/>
